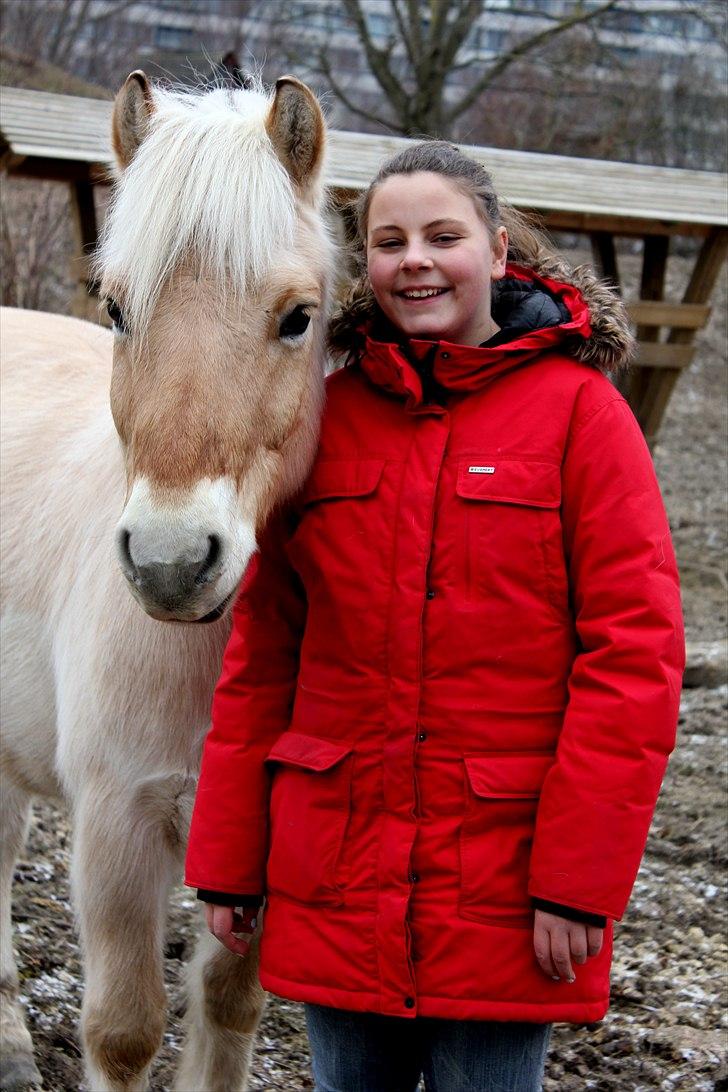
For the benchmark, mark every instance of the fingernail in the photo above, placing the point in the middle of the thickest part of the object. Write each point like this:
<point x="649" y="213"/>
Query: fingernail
<point x="571" y="979"/>
<point x="555" y="978"/>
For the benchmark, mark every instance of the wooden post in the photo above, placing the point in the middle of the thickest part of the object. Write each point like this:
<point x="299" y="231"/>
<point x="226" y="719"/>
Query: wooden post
<point x="605" y="257"/>
<point x="652" y="287"/>
<point x="85" y="300"/>
<point x="662" y="381"/>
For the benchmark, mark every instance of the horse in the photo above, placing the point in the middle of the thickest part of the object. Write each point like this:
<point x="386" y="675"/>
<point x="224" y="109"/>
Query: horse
<point x="216" y="268"/>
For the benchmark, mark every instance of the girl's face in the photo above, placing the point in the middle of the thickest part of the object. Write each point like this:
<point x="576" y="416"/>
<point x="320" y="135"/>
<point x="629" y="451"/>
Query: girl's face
<point x="430" y="259"/>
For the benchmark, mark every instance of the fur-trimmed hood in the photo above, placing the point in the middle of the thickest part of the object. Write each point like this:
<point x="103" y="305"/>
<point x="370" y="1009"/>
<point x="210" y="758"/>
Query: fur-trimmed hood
<point x="602" y="339"/>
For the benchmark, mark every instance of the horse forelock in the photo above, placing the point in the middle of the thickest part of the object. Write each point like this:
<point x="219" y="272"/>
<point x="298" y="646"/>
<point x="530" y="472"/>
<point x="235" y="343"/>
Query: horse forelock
<point x="205" y="184"/>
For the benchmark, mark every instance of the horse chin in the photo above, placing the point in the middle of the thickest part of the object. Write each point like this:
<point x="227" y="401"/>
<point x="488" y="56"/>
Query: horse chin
<point x="183" y="615"/>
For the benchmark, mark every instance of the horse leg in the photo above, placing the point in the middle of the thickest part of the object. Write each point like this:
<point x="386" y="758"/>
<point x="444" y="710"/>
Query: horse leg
<point x="125" y="856"/>
<point x="224" y="1004"/>
<point x="17" y="1068"/>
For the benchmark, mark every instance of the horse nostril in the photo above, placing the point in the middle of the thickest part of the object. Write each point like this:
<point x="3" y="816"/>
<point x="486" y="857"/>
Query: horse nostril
<point x="124" y="540"/>
<point x="213" y="555"/>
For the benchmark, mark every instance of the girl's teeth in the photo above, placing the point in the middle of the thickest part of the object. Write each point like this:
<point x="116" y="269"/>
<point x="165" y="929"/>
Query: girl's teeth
<point x="419" y="294"/>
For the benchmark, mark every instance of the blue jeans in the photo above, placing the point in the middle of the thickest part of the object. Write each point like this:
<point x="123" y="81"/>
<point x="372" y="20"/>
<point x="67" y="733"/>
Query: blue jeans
<point x="365" y="1052"/>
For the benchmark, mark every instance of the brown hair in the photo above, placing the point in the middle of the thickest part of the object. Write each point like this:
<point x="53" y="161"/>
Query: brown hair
<point x="526" y="245"/>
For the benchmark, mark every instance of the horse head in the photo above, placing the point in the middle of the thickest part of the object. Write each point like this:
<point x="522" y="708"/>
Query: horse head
<point x="215" y="266"/>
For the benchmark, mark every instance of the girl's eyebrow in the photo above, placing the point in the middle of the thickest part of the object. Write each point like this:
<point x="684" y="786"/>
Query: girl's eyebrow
<point x="432" y="224"/>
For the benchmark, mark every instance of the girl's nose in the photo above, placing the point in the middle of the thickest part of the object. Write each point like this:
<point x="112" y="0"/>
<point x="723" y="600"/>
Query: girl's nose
<point x="416" y="258"/>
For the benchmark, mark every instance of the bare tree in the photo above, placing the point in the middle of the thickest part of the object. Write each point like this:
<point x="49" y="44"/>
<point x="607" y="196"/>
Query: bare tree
<point x="432" y="71"/>
<point x="421" y="65"/>
<point x="35" y="245"/>
<point x="91" y="39"/>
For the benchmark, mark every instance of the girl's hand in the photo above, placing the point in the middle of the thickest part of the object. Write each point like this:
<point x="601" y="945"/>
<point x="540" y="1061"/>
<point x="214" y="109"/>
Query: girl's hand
<point x="557" y="941"/>
<point x="227" y="923"/>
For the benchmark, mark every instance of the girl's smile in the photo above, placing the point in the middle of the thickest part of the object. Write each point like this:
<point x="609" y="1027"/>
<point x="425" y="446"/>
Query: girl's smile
<point x="431" y="259"/>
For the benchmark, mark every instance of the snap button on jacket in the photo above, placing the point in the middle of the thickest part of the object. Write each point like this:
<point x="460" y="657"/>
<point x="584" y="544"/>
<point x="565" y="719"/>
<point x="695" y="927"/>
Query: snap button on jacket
<point x="451" y="685"/>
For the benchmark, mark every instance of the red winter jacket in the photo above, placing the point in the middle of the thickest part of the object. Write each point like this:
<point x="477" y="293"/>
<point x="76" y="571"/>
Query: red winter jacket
<point x="452" y="681"/>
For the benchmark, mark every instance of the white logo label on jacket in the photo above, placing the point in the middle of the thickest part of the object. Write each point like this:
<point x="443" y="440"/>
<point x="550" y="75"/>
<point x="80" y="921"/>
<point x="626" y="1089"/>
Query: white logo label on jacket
<point x="481" y="470"/>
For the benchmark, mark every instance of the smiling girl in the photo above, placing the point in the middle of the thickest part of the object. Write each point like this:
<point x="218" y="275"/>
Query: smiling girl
<point x="452" y="684"/>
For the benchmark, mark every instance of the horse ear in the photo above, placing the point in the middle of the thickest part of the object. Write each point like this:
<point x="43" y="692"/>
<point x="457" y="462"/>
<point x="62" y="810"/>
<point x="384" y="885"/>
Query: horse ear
<point x="133" y="107"/>
<point x="296" y="128"/>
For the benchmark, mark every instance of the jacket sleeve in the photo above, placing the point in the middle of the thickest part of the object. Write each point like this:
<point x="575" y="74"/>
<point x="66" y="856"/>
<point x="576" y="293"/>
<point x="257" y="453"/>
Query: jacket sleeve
<point x="619" y="728"/>
<point x="252" y="705"/>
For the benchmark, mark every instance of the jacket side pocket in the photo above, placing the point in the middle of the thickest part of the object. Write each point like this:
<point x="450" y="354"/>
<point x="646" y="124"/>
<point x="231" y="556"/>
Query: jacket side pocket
<point x="309" y="810"/>
<point x="501" y="799"/>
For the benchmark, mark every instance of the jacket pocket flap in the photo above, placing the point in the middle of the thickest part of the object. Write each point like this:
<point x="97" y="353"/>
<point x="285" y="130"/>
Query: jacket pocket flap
<point x="507" y="776"/>
<point x="510" y="481"/>
<point x="308" y="752"/>
<point x="342" y="478"/>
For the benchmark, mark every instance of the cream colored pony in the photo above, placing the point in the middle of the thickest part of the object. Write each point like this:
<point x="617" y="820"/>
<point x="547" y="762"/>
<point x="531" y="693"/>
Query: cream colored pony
<point x="216" y="265"/>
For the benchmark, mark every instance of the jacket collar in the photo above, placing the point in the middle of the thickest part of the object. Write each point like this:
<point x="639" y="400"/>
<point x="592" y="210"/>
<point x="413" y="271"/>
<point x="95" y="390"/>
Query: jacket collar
<point x="597" y="332"/>
<point x="455" y="368"/>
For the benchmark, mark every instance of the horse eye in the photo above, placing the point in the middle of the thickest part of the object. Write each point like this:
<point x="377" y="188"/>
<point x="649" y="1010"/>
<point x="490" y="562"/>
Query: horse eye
<point x="295" y="323"/>
<point x="114" y="312"/>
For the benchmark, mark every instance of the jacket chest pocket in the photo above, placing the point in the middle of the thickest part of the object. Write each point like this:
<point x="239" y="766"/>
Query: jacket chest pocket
<point x="512" y="545"/>
<point x="338" y="504"/>
<point x="502" y="792"/>
<point x="310" y="806"/>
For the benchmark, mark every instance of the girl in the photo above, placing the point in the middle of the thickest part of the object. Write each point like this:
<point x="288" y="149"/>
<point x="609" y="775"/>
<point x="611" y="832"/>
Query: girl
<point x="453" y="678"/>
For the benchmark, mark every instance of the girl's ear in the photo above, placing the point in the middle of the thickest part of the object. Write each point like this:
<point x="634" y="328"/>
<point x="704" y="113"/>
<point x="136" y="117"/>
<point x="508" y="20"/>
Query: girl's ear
<point x="500" y="254"/>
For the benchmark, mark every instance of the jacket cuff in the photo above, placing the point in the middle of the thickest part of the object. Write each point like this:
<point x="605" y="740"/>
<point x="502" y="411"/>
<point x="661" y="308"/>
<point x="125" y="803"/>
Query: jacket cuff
<point x="569" y="912"/>
<point x="224" y="898"/>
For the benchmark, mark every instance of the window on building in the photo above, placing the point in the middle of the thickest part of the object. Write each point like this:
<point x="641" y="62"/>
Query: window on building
<point x="173" y="37"/>
<point x="380" y="25"/>
<point x="492" y="41"/>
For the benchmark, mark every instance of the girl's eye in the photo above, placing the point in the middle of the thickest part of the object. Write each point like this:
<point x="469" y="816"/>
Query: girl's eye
<point x="295" y="323"/>
<point x="116" y="316"/>
<point x="446" y="238"/>
<point x="389" y="244"/>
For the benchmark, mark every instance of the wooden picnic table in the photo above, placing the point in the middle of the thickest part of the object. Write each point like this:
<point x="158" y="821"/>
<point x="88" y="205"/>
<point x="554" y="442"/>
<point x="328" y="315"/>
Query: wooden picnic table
<point x="65" y="138"/>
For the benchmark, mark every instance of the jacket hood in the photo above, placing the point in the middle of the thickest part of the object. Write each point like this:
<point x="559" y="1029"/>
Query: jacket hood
<point x="549" y="304"/>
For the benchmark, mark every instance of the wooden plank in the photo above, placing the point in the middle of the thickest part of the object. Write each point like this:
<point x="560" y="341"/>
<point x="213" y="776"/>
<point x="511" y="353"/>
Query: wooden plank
<point x="609" y="196"/>
<point x="683" y="316"/>
<point x="655" y="354"/>
<point x="623" y="224"/>
<point x="59" y="170"/>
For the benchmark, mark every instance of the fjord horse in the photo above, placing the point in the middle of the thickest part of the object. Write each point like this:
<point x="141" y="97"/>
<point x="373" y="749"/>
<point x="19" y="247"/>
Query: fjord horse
<point x="216" y="268"/>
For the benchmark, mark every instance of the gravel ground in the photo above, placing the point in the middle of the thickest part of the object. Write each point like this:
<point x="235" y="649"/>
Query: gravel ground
<point x="666" y="1028"/>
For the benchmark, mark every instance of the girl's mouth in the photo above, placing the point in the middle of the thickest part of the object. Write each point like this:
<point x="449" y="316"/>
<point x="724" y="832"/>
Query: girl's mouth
<point x="416" y="294"/>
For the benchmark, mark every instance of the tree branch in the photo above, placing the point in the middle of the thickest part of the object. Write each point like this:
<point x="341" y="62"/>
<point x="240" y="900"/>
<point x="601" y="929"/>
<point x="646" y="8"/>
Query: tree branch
<point x="325" y="69"/>
<point x="524" y="47"/>
<point x="410" y="43"/>
<point x="415" y="26"/>
<point x="377" y="59"/>
<point x="459" y="30"/>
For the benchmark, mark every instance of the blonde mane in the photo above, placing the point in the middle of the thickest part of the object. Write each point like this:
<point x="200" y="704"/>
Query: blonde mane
<point x="206" y="182"/>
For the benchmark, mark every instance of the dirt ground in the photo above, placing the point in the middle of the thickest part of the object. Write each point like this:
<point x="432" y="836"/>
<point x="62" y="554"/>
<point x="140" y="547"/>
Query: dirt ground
<point x="666" y="1028"/>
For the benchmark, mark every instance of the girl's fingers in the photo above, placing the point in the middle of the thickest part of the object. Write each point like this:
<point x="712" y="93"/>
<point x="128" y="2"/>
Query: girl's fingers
<point x="220" y="922"/>
<point x="578" y="943"/>
<point x="542" y="948"/>
<point x="560" y="954"/>
<point x="594" y="939"/>
<point x="557" y="941"/>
